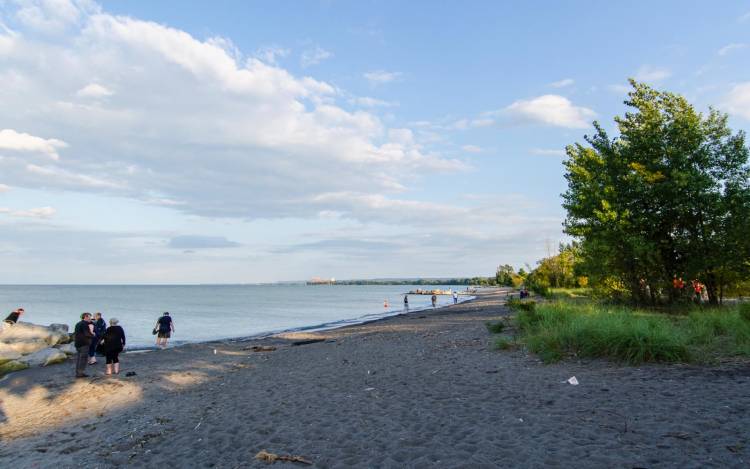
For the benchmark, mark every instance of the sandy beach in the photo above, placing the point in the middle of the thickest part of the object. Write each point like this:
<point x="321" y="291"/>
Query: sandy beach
<point x="425" y="389"/>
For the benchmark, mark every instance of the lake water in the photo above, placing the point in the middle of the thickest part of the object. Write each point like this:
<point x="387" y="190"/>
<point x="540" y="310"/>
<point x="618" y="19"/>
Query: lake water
<point x="202" y="313"/>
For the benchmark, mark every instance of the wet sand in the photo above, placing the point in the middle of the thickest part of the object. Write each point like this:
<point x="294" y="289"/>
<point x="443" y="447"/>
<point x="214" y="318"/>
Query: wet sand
<point x="425" y="389"/>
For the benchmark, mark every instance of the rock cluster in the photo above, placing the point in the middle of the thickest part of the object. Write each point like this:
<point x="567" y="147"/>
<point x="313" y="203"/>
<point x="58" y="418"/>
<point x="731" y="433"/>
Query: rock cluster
<point x="23" y="345"/>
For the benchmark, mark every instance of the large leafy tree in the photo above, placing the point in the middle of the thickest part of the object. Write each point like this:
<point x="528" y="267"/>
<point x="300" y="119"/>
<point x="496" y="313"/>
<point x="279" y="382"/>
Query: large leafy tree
<point x="668" y="196"/>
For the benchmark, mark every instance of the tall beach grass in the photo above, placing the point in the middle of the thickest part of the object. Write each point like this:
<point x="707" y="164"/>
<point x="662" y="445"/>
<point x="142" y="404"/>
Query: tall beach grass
<point x="587" y="329"/>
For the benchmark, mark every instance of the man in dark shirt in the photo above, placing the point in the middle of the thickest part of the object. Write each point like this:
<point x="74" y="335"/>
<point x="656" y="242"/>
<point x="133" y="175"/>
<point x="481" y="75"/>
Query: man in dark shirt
<point x="83" y="335"/>
<point x="14" y="316"/>
<point x="165" y="327"/>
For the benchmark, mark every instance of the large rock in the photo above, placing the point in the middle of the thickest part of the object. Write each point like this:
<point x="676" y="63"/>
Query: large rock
<point x="68" y="349"/>
<point x="25" y="332"/>
<point x="24" y="348"/>
<point x="12" y="366"/>
<point x="6" y="357"/>
<point x="59" y="327"/>
<point x="44" y="357"/>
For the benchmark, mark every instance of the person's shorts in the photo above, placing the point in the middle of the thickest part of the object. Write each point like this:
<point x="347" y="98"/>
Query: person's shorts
<point x="164" y="334"/>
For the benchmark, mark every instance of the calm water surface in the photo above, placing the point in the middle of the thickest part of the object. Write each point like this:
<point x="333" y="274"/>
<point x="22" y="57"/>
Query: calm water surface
<point x="213" y="312"/>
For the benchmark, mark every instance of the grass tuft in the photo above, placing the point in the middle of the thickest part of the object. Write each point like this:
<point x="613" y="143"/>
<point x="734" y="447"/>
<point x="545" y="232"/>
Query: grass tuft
<point x="495" y="327"/>
<point x="504" y="343"/>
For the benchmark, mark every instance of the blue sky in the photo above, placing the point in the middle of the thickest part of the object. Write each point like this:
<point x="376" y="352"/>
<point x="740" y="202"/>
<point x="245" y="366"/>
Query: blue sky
<point x="156" y="142"/>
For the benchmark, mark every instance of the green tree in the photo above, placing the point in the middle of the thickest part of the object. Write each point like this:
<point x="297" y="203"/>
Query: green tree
<point x="504" y="275"/>
<point x="668" y="196"/>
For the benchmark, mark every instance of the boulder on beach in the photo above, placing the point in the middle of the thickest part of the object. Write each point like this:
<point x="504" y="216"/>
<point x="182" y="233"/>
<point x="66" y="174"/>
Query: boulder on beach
<point x="68" y="349"/>
<point x="6" y="357"/>
<point x="23" y="347"/>
<point x="12" y="366"/>
<point x="48" y="356"/>
<point x="27" y="332"/>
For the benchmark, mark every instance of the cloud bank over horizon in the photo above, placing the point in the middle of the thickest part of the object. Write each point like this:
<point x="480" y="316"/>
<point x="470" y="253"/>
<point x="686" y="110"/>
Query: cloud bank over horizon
<point x="142" y="145"/>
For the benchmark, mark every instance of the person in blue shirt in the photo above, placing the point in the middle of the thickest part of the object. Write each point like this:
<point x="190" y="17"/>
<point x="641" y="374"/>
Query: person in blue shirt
<point x="164" y="329"/>
<point x="99" y="328"/>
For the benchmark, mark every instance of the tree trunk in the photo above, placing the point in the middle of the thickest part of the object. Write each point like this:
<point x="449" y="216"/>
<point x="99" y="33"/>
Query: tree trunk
<point x="713" y="299"/>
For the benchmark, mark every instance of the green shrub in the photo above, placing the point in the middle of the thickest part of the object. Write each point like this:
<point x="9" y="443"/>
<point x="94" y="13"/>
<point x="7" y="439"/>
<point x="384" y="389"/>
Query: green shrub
<point x="504" y="343"/>
<point x="495" y="327"/>
<point x="744" y="311"/>
<point x="528" y="319"/>
<point x="524" y="305"/>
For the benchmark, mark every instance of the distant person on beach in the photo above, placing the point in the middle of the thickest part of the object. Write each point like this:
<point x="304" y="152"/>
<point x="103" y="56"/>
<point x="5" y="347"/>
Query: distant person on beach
<point x="83" y="334"/>
<point x="434" y="300"/>
<point x="455" y="297"/>
<point x="406" y="302"/>
<point x="385" y="303"/>
<point x="14" y="316"/>
<point x="100" y="328"/>
<point x="164" y="329"/>
<point x="114" y="343"/>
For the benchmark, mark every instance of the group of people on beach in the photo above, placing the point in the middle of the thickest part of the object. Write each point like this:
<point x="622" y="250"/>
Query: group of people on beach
<point x="92" y="336"/>
<point x="433" y="299"/>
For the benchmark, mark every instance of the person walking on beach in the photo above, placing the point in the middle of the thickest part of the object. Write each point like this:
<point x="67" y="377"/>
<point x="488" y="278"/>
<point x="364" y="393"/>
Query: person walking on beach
<point x="434" y="300"/>
<point x="14" y="316"/>
<point x="406" y="302"/>
<point x="165" y="328"/>
<point x="99" y="328"/>
<point x="455" y="297"/>
<point x="83" y="334"/>
<point x="114" y="343"/>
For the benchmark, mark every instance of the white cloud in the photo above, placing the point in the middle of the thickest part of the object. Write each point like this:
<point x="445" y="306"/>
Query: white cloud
<point x="4" y="188"/>
<point x="68" y="179"/>
<point x="547" y="152"/>
<point x="271" y="54"/>
<point x="40" y="212"/>
<point x="23" y="142"/>
<point x="471" y="149"/>
<point x="93" y="90"/>
<point x="482" y="122"/>
<point x="366" y="101"/>
<point x="379" y="77"/>
<point x="738" y="100"/>
<point x="653" y="74"/>
<point x="735" y="46"/>
<point x="53" y="16"/>
<point x="745" y="17"/>
<point x="201" y="242"/>
<point x="192" y="125"/>
<point x="562" y="83"/>
<point x="553" y="110"/>
<point x="314" y="56"/>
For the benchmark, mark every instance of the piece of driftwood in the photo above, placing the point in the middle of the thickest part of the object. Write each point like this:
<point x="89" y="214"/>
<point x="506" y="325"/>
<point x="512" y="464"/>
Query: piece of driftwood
<point x="265" y="456"/>
<point x="308" y="341"/>
<point x="261" y="348"/>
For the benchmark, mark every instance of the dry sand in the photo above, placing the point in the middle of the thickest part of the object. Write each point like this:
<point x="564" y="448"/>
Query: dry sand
<point x="419" y="390"/>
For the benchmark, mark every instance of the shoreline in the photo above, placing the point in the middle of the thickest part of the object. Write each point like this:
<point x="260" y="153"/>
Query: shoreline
<point x="422" y="389"/>
<point x="327" y="326"/>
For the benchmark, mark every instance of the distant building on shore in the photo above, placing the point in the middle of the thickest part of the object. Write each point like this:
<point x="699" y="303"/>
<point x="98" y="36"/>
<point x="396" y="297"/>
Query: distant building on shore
<point x="321" y="281"/>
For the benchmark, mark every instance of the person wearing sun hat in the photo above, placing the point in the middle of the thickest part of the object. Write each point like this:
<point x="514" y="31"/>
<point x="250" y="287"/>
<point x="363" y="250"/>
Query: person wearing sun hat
<point x="114" y="343"/>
